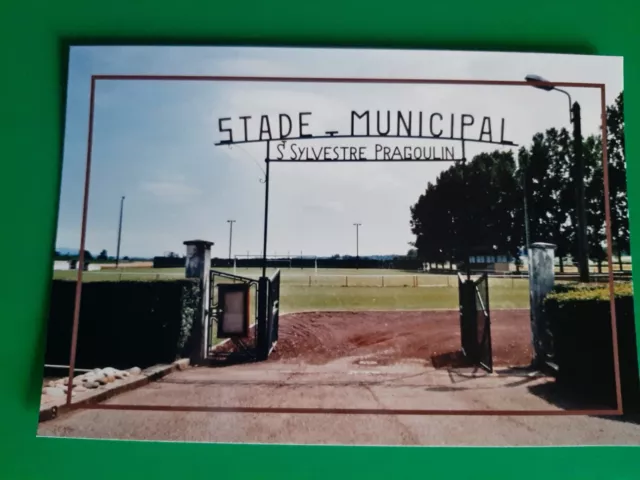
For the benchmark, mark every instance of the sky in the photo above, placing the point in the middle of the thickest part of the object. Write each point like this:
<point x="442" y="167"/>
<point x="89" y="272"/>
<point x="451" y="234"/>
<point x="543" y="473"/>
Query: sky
<point x="155" y="142"/>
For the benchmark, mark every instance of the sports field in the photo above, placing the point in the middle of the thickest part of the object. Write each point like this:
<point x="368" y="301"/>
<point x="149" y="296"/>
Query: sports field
<point x="338" y="289"/>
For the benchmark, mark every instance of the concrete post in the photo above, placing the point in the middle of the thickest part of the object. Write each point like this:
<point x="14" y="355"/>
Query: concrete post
<point x="198" y="265"/>
<point x="541" y="281"/>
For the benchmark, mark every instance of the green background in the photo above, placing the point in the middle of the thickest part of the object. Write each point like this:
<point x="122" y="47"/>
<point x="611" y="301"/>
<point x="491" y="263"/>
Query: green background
<point x="35" y="35"/>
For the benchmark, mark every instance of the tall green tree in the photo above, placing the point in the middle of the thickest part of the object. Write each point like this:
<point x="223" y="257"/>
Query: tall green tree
<point x="561" y="202"/>
<point x="481" y="203"/>
<point x="617" y="170"/>
<point x="473" y="205"/>
<point x="542" y="170"/>
<point x="594" y="199"/>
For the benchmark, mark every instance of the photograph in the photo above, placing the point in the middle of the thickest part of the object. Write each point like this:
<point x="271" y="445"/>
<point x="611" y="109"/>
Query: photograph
<point x="342" y="246"/>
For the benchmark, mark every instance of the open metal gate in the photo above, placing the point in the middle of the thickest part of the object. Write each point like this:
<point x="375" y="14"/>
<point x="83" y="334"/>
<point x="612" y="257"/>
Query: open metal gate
<point x="475" y="320"/>
<point x="236" y="349"/>
<point x="483" y="323"/>
<point x="269" y="314"/>
<point x="264" y="309"/>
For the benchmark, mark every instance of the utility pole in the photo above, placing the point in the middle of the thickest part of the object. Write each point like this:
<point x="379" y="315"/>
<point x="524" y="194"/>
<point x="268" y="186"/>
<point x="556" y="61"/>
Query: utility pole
<point x="230" y="222"/>
<point x="583" y="244"/>
<point x="578" y="173"/>
<point x="119" y="232"/>
<point x="357" y="225"/>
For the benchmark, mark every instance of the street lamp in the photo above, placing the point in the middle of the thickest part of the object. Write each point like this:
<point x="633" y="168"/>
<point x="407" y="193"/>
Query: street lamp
<point x="357" y="225"/>
<point x="119" y="232"/>
<point x="230" y="222"/>
<point x="574" y="116"/>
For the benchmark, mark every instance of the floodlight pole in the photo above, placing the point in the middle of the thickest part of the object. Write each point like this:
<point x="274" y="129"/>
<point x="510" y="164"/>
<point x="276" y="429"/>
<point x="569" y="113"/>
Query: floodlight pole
<point x="230" y="222"/>
<point x="357" y="225"/>
<point x="119" y="232"/>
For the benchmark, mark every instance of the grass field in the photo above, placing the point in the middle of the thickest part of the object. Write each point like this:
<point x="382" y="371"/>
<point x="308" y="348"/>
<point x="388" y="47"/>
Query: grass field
<point x="336" y="289"/>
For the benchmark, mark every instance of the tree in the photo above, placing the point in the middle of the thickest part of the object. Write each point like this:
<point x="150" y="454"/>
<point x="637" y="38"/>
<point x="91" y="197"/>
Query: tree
<point x="561" y="204"/>
<point x="540" y="202"/>
<point x="617" y="173"/>
<point x="482" y="202"/>
<point x="103" y="255"/>
<point x="594" y="199"/>
<point x="87" y="255"/>
<point x="473" y="205"/>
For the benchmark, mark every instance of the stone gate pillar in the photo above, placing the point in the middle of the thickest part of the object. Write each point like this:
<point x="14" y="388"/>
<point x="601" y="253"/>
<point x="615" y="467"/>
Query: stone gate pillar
<point x="198" y="265"/>
<point x="541" y="280"/>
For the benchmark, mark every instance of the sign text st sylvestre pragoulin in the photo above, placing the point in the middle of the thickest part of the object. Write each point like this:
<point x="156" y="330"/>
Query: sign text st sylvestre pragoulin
<point x="283" y="135"/>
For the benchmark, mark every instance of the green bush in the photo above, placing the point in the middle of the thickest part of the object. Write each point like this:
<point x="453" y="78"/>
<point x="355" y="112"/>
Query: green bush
<point x="122" y="324"/>
<point x="565" y="292"/>
<point x="579" y="317"/>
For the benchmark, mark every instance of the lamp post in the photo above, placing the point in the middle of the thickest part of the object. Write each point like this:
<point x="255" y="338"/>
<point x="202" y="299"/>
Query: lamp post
<point x="357" y="225"/>
<point x="230" y="222"/>
<point x="575" y="118"/>
<point x="119" y="232"/>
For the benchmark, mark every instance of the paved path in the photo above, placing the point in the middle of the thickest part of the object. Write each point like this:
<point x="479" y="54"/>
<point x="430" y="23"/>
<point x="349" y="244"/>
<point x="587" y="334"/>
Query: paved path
<point x="282" y="384"/>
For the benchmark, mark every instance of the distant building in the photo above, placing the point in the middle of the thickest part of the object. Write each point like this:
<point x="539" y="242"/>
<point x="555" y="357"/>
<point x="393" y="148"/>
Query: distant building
<point x="62" y="265"/>
<point x="73" y="265"/>
<point x="488" y="259"/>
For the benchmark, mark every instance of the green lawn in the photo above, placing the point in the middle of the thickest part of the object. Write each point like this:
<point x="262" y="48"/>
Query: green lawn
<point x="337" y="289"/>
<point x="295" y="299"/>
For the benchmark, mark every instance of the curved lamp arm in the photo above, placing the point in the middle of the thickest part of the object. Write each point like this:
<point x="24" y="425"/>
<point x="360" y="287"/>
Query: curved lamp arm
<point x="570" y="102"/>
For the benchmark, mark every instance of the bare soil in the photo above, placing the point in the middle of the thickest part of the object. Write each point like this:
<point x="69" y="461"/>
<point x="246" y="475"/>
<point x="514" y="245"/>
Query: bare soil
<point x="432" y="337"/>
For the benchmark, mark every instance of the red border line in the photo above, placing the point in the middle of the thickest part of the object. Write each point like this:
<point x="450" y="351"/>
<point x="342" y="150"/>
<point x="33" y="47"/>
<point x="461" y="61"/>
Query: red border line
<point x="349" y="411"/>
<point x="76" y="308"/>
<point x="417" y="81"/>
<point x="607" y="213"/>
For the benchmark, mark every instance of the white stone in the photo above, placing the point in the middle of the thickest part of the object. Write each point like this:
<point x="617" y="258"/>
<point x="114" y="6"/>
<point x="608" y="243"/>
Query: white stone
<point x="79" y="388"/>
<point x="92" y="384"/>
<point x="135" y="371"/>
<point x="53" y="392"/>
<point x="109" y="371"/>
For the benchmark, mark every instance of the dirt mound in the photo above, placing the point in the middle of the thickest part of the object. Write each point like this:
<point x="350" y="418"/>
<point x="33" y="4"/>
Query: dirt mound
<point x="432" y="337"/>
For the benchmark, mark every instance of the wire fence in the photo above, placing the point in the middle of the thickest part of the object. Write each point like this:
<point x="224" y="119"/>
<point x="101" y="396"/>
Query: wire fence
<point x="349" y="279"/>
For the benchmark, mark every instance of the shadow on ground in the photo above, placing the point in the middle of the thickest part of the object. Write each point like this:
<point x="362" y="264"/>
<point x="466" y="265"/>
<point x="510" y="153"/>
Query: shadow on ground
<point x="451" y="360"/>
<point x="565" y="398"/>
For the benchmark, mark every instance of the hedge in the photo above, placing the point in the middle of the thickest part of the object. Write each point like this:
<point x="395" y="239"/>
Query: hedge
<point x="579" y="317"/>
<point x="122" y="324"/>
